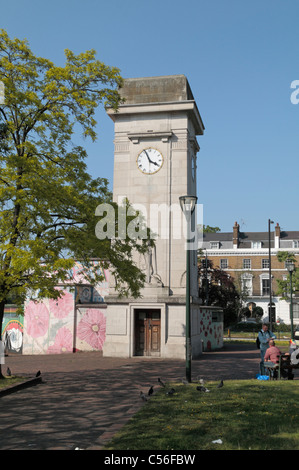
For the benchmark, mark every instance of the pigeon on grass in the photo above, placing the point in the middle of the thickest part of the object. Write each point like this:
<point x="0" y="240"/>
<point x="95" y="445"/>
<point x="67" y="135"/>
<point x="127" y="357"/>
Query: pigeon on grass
<point x="201" y="388"/>
<point x="160" y="382"/>
<point x="143" y="396"/>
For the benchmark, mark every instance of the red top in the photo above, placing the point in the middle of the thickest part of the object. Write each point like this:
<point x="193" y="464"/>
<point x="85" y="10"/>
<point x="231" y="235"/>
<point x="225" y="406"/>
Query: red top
<point x="272" y="354"/>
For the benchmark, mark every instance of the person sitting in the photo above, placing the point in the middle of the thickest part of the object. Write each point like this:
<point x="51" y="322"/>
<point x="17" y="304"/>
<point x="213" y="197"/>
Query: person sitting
<point x="272" y="358"/>
<point x="264" y="337"/>
<point x="272" y="353"/>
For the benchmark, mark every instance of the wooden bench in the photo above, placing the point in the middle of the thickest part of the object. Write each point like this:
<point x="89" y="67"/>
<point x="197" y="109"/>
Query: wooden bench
<point x="275" y="370"/>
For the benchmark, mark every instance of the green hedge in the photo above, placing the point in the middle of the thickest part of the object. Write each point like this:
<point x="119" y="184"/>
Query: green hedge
<point x="255" y="327"/>
<point x="245" y="327"/>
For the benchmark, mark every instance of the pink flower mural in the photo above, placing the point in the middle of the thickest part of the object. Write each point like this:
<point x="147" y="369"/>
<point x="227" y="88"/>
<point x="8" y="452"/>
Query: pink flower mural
<point x="63" y="342"/>
<point x="62" y="306"/>
<point x="92" y="328"/>
<point x="37" y="319"/>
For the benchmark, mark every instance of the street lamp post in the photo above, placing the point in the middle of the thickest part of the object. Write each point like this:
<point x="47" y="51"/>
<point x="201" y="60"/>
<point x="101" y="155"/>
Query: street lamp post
<point x="291" y="267"/>
<point x="187" y="204"/>
<point x="270" y="276"/>
<point x="206" y="280"/>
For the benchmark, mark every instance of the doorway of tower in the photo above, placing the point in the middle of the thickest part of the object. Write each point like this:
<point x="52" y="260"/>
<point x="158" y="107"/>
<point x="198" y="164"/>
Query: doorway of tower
<point x="147" y="332"/>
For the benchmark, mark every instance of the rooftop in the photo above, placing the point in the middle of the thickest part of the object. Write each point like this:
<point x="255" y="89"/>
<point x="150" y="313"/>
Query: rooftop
<point x="162" y="89"/>
<point x="245" y="239"/>
<point x="249" y="236"/>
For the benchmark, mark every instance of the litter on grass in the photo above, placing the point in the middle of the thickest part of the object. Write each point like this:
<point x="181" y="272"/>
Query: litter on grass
<point x="262" y="377"/>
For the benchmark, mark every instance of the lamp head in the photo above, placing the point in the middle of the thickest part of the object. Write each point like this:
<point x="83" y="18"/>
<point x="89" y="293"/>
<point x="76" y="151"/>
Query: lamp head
<point x="187" y="204"/>
<point x="290" y="265"/>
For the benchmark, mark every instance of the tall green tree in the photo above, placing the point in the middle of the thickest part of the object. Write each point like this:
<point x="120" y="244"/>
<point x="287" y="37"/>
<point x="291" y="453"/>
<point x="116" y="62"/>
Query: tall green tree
<point x="47" y="198"/>
<point x="217" y="288"/>
<point x="283" y="288"/>
<point x="208" y="229"/>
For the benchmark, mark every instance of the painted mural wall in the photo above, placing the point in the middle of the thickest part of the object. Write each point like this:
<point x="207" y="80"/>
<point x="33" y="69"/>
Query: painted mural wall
<point x="211" y="329"/>
<point x="74" y="322"/>
<point x="12" y="330"/>
<point x="77" y="321"/>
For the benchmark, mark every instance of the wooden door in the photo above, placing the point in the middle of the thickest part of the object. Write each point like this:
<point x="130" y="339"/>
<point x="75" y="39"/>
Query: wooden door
<point x="147" y="332"/>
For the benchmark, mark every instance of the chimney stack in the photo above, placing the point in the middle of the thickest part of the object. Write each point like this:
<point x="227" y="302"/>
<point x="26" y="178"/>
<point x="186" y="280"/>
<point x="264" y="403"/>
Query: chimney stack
<point x="236" y="235"/>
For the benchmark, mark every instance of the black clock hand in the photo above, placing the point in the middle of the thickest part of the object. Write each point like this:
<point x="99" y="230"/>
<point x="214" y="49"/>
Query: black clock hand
<point x="147" y="156"/>
<point x="154" y="163"/>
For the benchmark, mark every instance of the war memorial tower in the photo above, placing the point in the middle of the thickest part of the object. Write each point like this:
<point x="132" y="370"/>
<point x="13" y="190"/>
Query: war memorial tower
<point x="155" y="155"/>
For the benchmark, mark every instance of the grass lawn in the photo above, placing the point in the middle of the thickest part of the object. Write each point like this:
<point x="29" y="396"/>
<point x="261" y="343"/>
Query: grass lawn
<point x="9" y="381"/>
<point x="245" y="415"/>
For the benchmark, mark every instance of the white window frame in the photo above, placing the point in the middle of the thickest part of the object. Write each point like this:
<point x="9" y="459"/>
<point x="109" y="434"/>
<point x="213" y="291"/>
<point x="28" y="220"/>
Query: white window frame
<point x="295" y="310"/>
<point x="244" y="263"/>
<point x="214" y="245"/>
<point x="246" y="283"/>
<point x="267" y="262"/>
<point x="224" y="261"/>
<point x="256" y="245"/>
<point x="263" y="277"/>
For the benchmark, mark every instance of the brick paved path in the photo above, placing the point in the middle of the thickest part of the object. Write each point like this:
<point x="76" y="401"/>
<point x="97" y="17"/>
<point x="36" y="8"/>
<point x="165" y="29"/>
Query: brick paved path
<point x="86" y="398"/>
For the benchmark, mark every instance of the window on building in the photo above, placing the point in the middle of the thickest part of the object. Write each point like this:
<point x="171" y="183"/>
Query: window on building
<point x="246" y="263"/>
<point x="296" y="310"/>
<point x="246" y="284"/>
<point x="265" y="263"/>
<point x="214" y="245"/>
<point x="265" y="287"/>
<point x="223" y="264"/>
<point x="295" y="243"/>
<point x="256" y="245"/>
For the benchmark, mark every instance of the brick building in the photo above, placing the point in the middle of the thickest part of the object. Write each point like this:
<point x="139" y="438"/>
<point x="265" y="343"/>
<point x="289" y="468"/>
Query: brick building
<point x="245" y="256"/>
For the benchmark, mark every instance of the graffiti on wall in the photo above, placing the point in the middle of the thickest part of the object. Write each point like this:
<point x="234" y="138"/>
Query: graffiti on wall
<point x="79" y="275"/>
<point x="58" y="326"/>
<point x="91" y="328"/>
<point x="211" y="331"/>
<point x="12" y="330"/>
<point x="73" y="322"/>
<point x="43" y="320"/>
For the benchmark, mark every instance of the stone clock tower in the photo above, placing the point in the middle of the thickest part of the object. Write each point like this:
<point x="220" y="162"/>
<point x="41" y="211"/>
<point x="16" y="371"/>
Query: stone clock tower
<point x="154" y="164"/>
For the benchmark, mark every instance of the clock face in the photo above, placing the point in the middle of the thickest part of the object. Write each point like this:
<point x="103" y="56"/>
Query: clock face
<point x="149" y="161"/>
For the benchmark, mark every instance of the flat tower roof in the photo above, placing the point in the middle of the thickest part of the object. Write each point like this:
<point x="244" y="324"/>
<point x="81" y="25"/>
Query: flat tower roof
<point x="163" y="89"/>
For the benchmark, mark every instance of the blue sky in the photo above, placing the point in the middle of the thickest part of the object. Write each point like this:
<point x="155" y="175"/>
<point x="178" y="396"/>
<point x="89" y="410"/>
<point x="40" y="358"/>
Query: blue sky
<point x="240" y="59"/>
